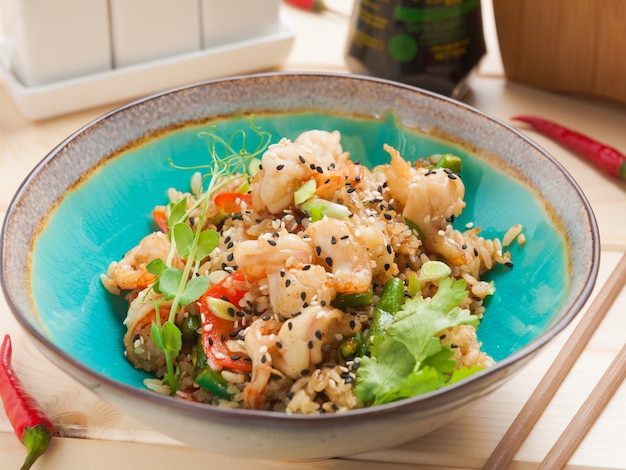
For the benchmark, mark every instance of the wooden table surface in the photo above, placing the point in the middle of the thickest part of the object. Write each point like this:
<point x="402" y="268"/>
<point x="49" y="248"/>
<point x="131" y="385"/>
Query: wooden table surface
<point x="94" y="435"/>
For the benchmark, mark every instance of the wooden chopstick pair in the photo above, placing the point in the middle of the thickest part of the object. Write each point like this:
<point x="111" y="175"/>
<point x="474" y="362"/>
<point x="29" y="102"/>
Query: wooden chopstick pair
<point x="521" y="427"/>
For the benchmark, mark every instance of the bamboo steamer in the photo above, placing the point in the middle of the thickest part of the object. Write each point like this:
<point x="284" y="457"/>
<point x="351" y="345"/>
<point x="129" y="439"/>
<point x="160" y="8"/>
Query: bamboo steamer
<point x="571" y="46"/>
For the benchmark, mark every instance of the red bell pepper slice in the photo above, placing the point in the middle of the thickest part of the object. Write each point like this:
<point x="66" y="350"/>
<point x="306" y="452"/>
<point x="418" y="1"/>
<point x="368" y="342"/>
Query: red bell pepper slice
<point x="217" y="331"/>
<point x="160" y="218"/>
<point x="231" y="202"/>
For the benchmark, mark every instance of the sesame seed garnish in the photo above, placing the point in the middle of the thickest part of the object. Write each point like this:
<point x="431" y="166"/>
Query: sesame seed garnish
<point x="280" y="167"/>
<point x="352" y="324"/>
<point x="301" y="158"/>
<point x="306" y="267"/>
<point x="389" y="248"/>
<point x="303" y="295"/>
<point x="235" y="357"/>
<point x="272" y="242"/>
<point x="310" y="344"/>
<point x="287" y="282"/>
<point x="279" y="345"/>
<point x="318" y="335"/>
<point x="304" y="372"/>
<point x="333" y="240"/>
<point x="289" y="325"/>
<point x="329" y="261"/>
<point x="318" y="250"/>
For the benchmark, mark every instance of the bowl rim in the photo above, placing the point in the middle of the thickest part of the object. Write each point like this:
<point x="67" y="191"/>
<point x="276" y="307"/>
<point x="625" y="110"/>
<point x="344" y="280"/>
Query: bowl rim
<point x="450" y="394"/>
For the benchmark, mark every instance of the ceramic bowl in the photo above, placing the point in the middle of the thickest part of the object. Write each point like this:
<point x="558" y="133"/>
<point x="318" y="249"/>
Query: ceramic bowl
<point x="89" y="201"/>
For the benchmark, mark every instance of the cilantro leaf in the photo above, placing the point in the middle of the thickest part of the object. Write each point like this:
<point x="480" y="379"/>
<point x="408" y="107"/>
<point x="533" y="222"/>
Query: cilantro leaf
<point x="409" y="359"/>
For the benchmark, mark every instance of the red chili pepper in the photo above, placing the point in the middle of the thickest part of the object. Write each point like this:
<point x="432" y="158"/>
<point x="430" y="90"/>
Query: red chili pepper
<point x="217" y="331"/>
<point x="30" y="423"/>
<point x="316" y="6"/>
<point x="607" y="158"/>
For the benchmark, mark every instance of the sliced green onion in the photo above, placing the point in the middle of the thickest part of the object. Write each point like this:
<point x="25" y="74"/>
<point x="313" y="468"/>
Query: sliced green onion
<point x="415" y="229"/>
<point x="414" y="284"/>
<point x="221" y="308"/>
<point x="254" y="166"/>
<point x="433" y="270"/>
<point x="317" y="207"/>
<point x="304" y="192"/>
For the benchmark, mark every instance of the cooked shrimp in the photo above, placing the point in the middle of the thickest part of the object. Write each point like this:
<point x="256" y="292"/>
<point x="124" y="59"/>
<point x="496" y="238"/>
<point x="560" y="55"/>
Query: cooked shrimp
<point x="286" y="165"/>
<point x="301" y="339"/>
<point x="291" y="290"/>
<point x="377" y="243"/>
<point x="326" y="147"/>
<point x="431" y="199"/>
<point x="141" y="350"/>
<point x="260" y="341"/>
<point x="338" y="246"/>
<point x="257" y="258"/>
<point x="131" y="272"/>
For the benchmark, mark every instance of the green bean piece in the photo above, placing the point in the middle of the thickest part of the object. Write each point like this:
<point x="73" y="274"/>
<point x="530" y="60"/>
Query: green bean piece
<point x="343" y="301"/>
<point x="209" y="379"/>
<point x="389" y="304"/>
<point x="190" y="327"/>
<point x="452" y="162"/>
<point x="212" y="381"/>
<point x="351" y="347"/>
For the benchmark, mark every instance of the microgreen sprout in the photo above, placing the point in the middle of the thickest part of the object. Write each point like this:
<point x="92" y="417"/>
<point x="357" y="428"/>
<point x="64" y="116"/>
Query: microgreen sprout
<point x="189" y="241"/>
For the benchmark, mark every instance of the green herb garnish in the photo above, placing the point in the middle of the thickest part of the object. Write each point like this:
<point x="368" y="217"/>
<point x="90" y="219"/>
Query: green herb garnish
<point x="409" y="358"/>
<point x="185" y="286"/>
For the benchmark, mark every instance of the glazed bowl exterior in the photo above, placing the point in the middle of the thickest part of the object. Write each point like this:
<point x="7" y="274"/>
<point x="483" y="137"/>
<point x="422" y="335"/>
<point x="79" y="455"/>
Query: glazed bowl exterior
<point x="88" y="201"/>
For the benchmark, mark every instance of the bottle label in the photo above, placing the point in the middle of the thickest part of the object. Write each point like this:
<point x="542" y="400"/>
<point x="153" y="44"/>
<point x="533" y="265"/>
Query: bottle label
<point x="422" y="42"/>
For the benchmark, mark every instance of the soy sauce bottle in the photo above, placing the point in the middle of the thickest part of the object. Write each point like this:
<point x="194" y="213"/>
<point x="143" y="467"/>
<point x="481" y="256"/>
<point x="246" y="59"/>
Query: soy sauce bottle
<point x="431" y="44"/>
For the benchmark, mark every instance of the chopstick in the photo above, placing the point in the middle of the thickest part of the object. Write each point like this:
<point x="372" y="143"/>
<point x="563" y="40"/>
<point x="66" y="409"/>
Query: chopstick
<point x="578" y="427"/>
<point x="521" y="427"/>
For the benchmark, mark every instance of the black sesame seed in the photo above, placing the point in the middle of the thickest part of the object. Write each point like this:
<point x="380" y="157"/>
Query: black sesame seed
<point x="289" y="395"/>
<point x="302" y="160"/>
<point x="389" y="249"/>
<point x="279" y="345"/>
<point x="318" y="335"/>
<point x="210" y="341"/>
<point x="333" y="240"/>
<point x="223" y="337"/>
<point x="387" y="216"/>
<point x="345" y="237"/>
<point x="508" y="264"/>
<point x="303" y="295"/>
<point x="387" y="266"/>
<point x="272" y="242"/>
<point x="355" y="365"/>
<point x="235" y="358"/>
<point x="323" y="303"/>
<point x="312" y="166"/>
<point x="280" y="167"/>
<point x="318" y="250"/>
<point x="319" y="169"/>
<point x="329" y="261"/>
<point x="304" y="372"/>
<point x="263" y="359"/>
<point x="287" y="282"/>
<point x="452" y="176"/>
<point x="352" y="324"/>
<point x="306" y="267"/>
<point x="454" y="346"/>
<point x="274" y="376"/>
<point x="289" y="325"/>
<point x="350" y="190"/>
<point x="230" y="257"/>
<point x="475" y="252"/>
<point x="335" y="406"/>
<point x="310" y="344"/>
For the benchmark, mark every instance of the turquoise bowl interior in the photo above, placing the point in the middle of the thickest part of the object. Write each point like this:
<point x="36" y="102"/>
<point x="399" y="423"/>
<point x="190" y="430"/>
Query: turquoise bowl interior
<point x="89" y="201"/>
